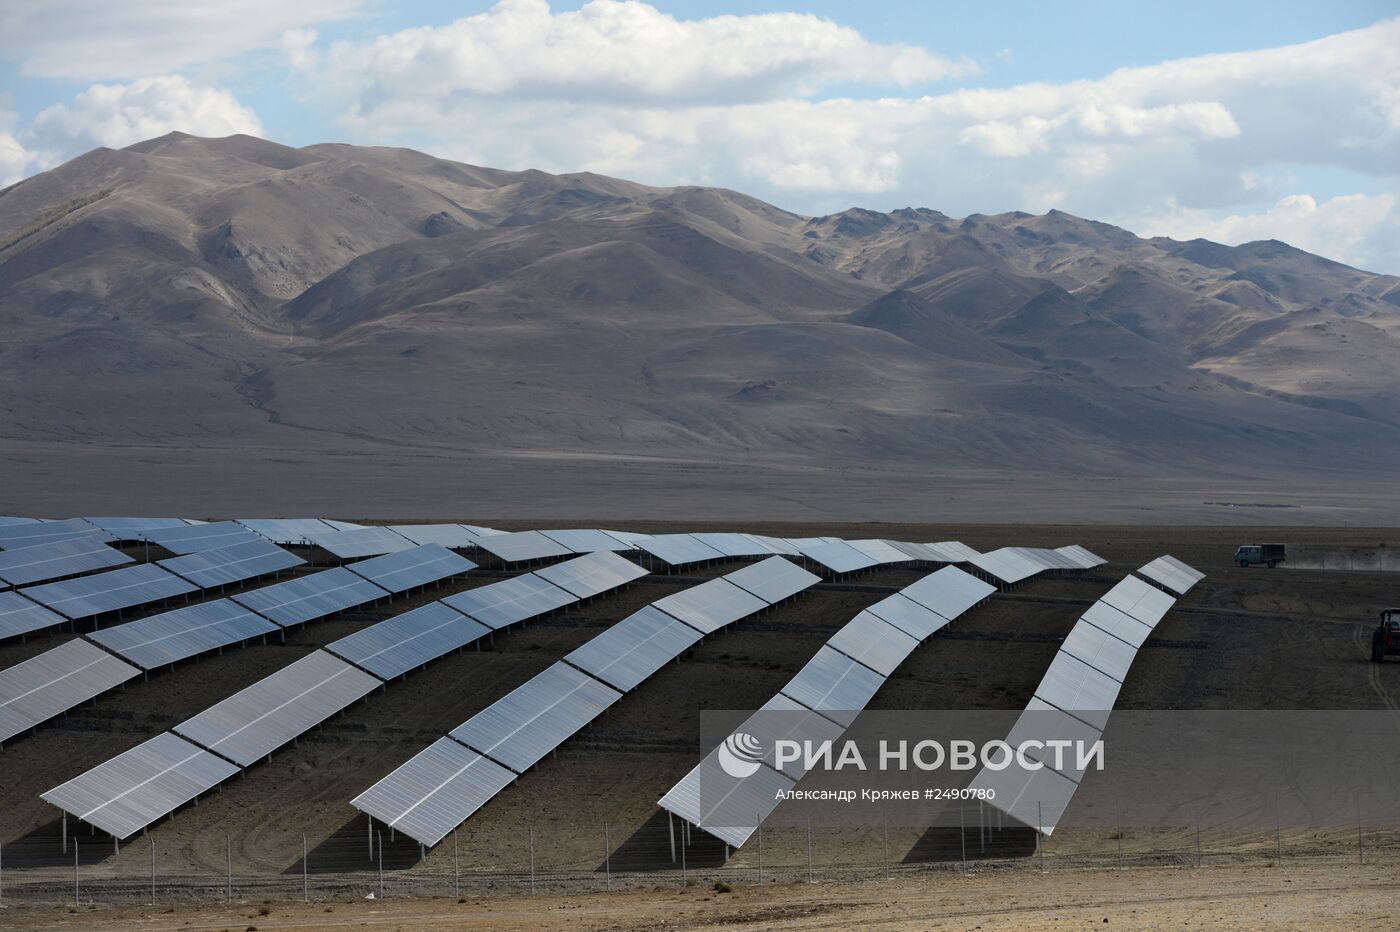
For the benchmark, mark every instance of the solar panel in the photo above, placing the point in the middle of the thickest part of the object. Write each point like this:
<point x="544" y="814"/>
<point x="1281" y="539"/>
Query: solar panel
<point x="1037" y="798"/>
<point x="235" y="563"/>
<point x="335" y="525"/>
<point x="435" y="791"/>
<point x="28" y="535"/>
<point x="405" y="642"/>
<point x="587" y="540"/>
<point x="797" y="723"/>
<point x="286" y="531"/>
<point x="758" y="794"/>
<point x="1071" y="685"/>
<point x="777" y="545"/>
<point x="526" y="724"/>
<point x="881" y="551"/>
<point x="197" y="537"/>
<point x="360" y="542"/>
<point x="1085" y="559"/>
<point x="908" y="616"/>
<point x="914" y="551"/>
<point x="448" y="535"/>
<point x="11" y="520"/>
<point x="1007" y="564"/>
<point x="773" y="580"/>
<point x="1047" y="725"/>
<point x="839" y="557"/>
<point x="522" y="545"/>
<point x="733" y="545"/>
<point x="37" y="689"/>
<point x="953" y="551"/>
<point x="409" y="569"/>
<point x="633" y="649"/>
<point x="135" y="788"/>
<point x="835" y="684"/>
<point x="1124" y="627"/>
<point x="949" y="592"/>
<point x="510" y="600"/>
<point x="1172" y="573"/>
<point x="159" y="640"/>
<point x="678" y="549"/>
<point x="300" y="600"/>
<point x="1100" y="650"/>
<point x="136" y="528"/>
<point x="711" y="605"/>
<point x="256" y="721"/>
<point x="18" y="615"/>
<point x="592" y="574"/>
<point x="877" y="644"/>
<point x="110" y="591"/>
<point x="65" y="557"/>
<point x="1142" y="601"/>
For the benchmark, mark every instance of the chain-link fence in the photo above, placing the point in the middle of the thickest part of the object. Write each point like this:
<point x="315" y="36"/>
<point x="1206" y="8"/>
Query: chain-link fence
<point x="361" y="862"/>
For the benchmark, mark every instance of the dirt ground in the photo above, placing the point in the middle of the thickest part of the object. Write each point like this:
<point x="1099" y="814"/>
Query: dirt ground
<point x="1232" y="643"/>
<point x="1312" y="895"/>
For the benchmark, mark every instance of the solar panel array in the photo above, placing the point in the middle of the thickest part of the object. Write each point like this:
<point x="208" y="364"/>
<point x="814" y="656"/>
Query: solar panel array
<point x="19" y="616"/>
<point x="241" y="561"/>
<point x="360" y="542"/>
<point x="133" y="529"/>
<point x="197" y="537"/>
<point x="56" y="559"/>
<point x="135" y="788"/>
<point x="833" y="686"/>
<point x="454" y="536"/>
<point x="298" y="601"/>
<point x="519" y="546"/>
<point x="678" y="549"/>
<point x="409" y="569"/>
<point x="1076" y="696"/>
<point x="252" y="723"/>
<point x="34" y="691"/>
<point x="291" y="532"/>
<point x="1009" y="565"/>
<point x="112" y="591"/>
<point x="266" y="715"/>
<point x="27" y="535"/>
<point x="587" y="540"/>
<point x="1170" y="572"/>
<point x="592" y="574"/>
<point x="167" y="638"/>
<point x="442" y="786"/>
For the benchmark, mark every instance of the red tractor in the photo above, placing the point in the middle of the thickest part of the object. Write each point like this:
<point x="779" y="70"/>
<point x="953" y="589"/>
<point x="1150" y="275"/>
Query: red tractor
<point x="1386" y="638"/>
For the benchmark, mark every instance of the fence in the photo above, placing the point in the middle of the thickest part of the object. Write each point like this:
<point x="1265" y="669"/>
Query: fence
<point x="356" y="863"/>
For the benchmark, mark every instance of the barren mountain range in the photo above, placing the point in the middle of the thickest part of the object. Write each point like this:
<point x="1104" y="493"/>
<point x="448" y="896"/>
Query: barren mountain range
<point x="234" y="295"/>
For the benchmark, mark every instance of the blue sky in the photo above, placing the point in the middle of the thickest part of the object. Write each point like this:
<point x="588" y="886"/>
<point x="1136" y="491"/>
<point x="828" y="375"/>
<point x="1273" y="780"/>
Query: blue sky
<point x="1235" y="121"/>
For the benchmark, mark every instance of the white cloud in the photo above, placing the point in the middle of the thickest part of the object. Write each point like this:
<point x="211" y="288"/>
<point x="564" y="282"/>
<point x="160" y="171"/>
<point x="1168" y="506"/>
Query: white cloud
<point x="116" y="115"/>
<point x="1358" y="229"/>
<point x="15" y="159"/>
<point x="611" y="52"/>
<point x="99" y="39"/>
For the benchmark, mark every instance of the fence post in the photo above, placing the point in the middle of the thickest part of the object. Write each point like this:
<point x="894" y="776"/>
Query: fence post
<point x="962" y="836"/>
<point x="1040" y="834"/>
<point x="305" y="883"/>
<point x="456" y="867"/>
<point x="381" y="865"/>
<point x="809" y="849"/>
<point x="228" y="846"/>
<point x="153" y="872"/>
<point x="532" y="860"/>
<point x="369" y="835"/>
<point x="75" y="872"/>
<point x="1198" y="839"/>
<point x="671" y="824"/>
<point x="685" y="880"/>
<point x="1360" y="847"/>
<point x="885" y="823"/>
<point x="607" y="854"/>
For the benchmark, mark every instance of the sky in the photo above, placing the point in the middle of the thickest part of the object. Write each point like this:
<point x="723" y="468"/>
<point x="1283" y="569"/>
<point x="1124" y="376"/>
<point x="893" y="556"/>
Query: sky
<point x="1234" y="121"/>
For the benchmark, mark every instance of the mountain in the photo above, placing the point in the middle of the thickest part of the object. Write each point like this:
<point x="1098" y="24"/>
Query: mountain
<point x="235" y="294"/>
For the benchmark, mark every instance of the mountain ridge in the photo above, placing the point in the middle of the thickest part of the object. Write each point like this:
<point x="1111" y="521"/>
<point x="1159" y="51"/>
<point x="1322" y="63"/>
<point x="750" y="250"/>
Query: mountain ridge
<point x="188" y="291"/>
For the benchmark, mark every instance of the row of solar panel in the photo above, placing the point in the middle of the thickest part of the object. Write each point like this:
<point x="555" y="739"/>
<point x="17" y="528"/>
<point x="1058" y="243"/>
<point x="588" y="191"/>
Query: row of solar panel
<point x="34" y="691"/>
<point x="134" y="789"/>
<point x="444" y="784"/>
<point x="1078" y="692"/>
<point x="825" y="696"/>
